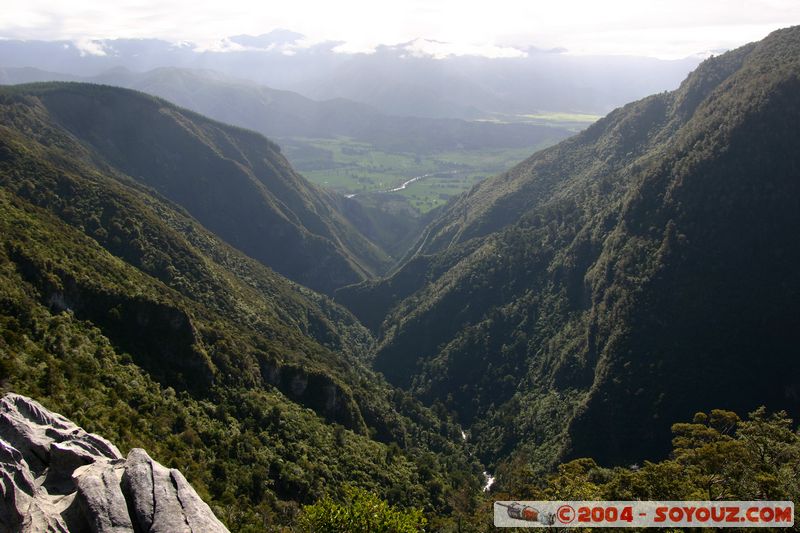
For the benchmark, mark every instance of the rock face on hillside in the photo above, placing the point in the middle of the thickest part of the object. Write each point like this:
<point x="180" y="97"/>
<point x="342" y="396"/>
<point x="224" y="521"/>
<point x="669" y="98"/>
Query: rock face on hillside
<point x="55" y="477"/>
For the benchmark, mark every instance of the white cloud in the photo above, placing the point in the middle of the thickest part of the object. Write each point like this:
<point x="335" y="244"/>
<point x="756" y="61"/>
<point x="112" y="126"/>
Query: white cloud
<point x="221" y="45"/>
<point x="90" y="47"/>
<point x="440" y="50"/>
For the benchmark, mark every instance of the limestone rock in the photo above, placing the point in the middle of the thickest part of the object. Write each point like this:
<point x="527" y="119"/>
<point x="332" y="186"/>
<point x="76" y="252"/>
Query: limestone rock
<point x="56" y="477"/>
<point x="101" y="498"/>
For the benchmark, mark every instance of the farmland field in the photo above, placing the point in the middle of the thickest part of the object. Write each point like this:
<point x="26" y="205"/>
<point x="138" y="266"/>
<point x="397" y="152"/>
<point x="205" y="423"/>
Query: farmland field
<point x="357" y="168"/>
<point x="570" y="121"/>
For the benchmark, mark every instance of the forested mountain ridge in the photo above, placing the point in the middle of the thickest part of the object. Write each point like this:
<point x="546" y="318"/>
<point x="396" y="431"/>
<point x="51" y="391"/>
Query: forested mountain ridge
<point x="608" y="148"/>
<point x="120" y="310"/>
<point x="235" y="182"/>
<point x="625" y="278"/>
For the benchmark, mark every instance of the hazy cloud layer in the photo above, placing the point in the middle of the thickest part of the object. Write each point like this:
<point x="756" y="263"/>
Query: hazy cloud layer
<point x="674" y="28"/>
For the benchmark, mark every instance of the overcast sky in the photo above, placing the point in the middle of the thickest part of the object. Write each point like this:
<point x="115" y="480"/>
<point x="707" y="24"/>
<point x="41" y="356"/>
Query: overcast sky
<point x="661" y="28"/>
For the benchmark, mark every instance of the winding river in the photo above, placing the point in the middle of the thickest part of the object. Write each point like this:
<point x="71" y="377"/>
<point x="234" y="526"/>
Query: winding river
<point x="406" y="183"/>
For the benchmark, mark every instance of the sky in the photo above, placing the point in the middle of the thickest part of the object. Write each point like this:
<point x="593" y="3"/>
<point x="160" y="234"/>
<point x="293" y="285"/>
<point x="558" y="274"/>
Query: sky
<point x="658" y="28"/>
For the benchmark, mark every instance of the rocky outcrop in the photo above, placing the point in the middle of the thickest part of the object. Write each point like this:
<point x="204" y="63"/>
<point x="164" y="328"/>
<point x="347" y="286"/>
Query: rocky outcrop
<point x="55" y="477"/>
<point x="161" y="337"/>
<point x="317" y="391"/>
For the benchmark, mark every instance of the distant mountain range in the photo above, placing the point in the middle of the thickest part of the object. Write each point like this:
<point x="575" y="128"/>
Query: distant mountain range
<point x="285" y="114"/>
<point x="396" y="79"/>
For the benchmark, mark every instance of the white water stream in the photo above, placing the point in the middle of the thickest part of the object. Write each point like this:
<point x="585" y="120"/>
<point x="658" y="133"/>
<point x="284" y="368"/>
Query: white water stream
<point x="489" y="477"/>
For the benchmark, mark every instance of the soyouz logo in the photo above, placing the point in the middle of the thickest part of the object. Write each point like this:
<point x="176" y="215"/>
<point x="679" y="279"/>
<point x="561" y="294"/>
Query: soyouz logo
<point x="643" y="514"/>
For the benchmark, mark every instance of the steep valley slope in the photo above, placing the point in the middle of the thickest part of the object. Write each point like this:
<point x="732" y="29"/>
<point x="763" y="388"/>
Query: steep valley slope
<point x="124" y="313"/>
<point x="233" y="181"/>
<point x="621" y="280"/>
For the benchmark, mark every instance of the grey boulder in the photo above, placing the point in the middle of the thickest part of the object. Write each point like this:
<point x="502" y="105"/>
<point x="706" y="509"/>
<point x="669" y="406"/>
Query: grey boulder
<point x="55" y="477"/>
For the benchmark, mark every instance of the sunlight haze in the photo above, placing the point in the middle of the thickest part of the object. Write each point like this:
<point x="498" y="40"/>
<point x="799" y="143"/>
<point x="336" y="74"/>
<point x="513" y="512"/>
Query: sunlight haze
<point x="500" y="28"/>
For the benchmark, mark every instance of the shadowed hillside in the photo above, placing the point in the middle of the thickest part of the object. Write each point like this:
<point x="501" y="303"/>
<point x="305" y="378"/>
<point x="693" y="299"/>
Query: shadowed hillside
<point x="642" y="270"/>
<point x="235" y="182"/>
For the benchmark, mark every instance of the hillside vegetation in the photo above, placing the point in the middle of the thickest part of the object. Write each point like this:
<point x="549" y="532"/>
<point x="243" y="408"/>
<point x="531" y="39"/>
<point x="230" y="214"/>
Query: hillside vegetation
<point x="120" y="310"/>
<point x="639" y="271"/>
<point x="234" y="182"/>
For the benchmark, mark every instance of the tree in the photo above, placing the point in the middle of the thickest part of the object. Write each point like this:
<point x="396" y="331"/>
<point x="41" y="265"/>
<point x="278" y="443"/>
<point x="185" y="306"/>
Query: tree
<point x="364" y="512"/>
